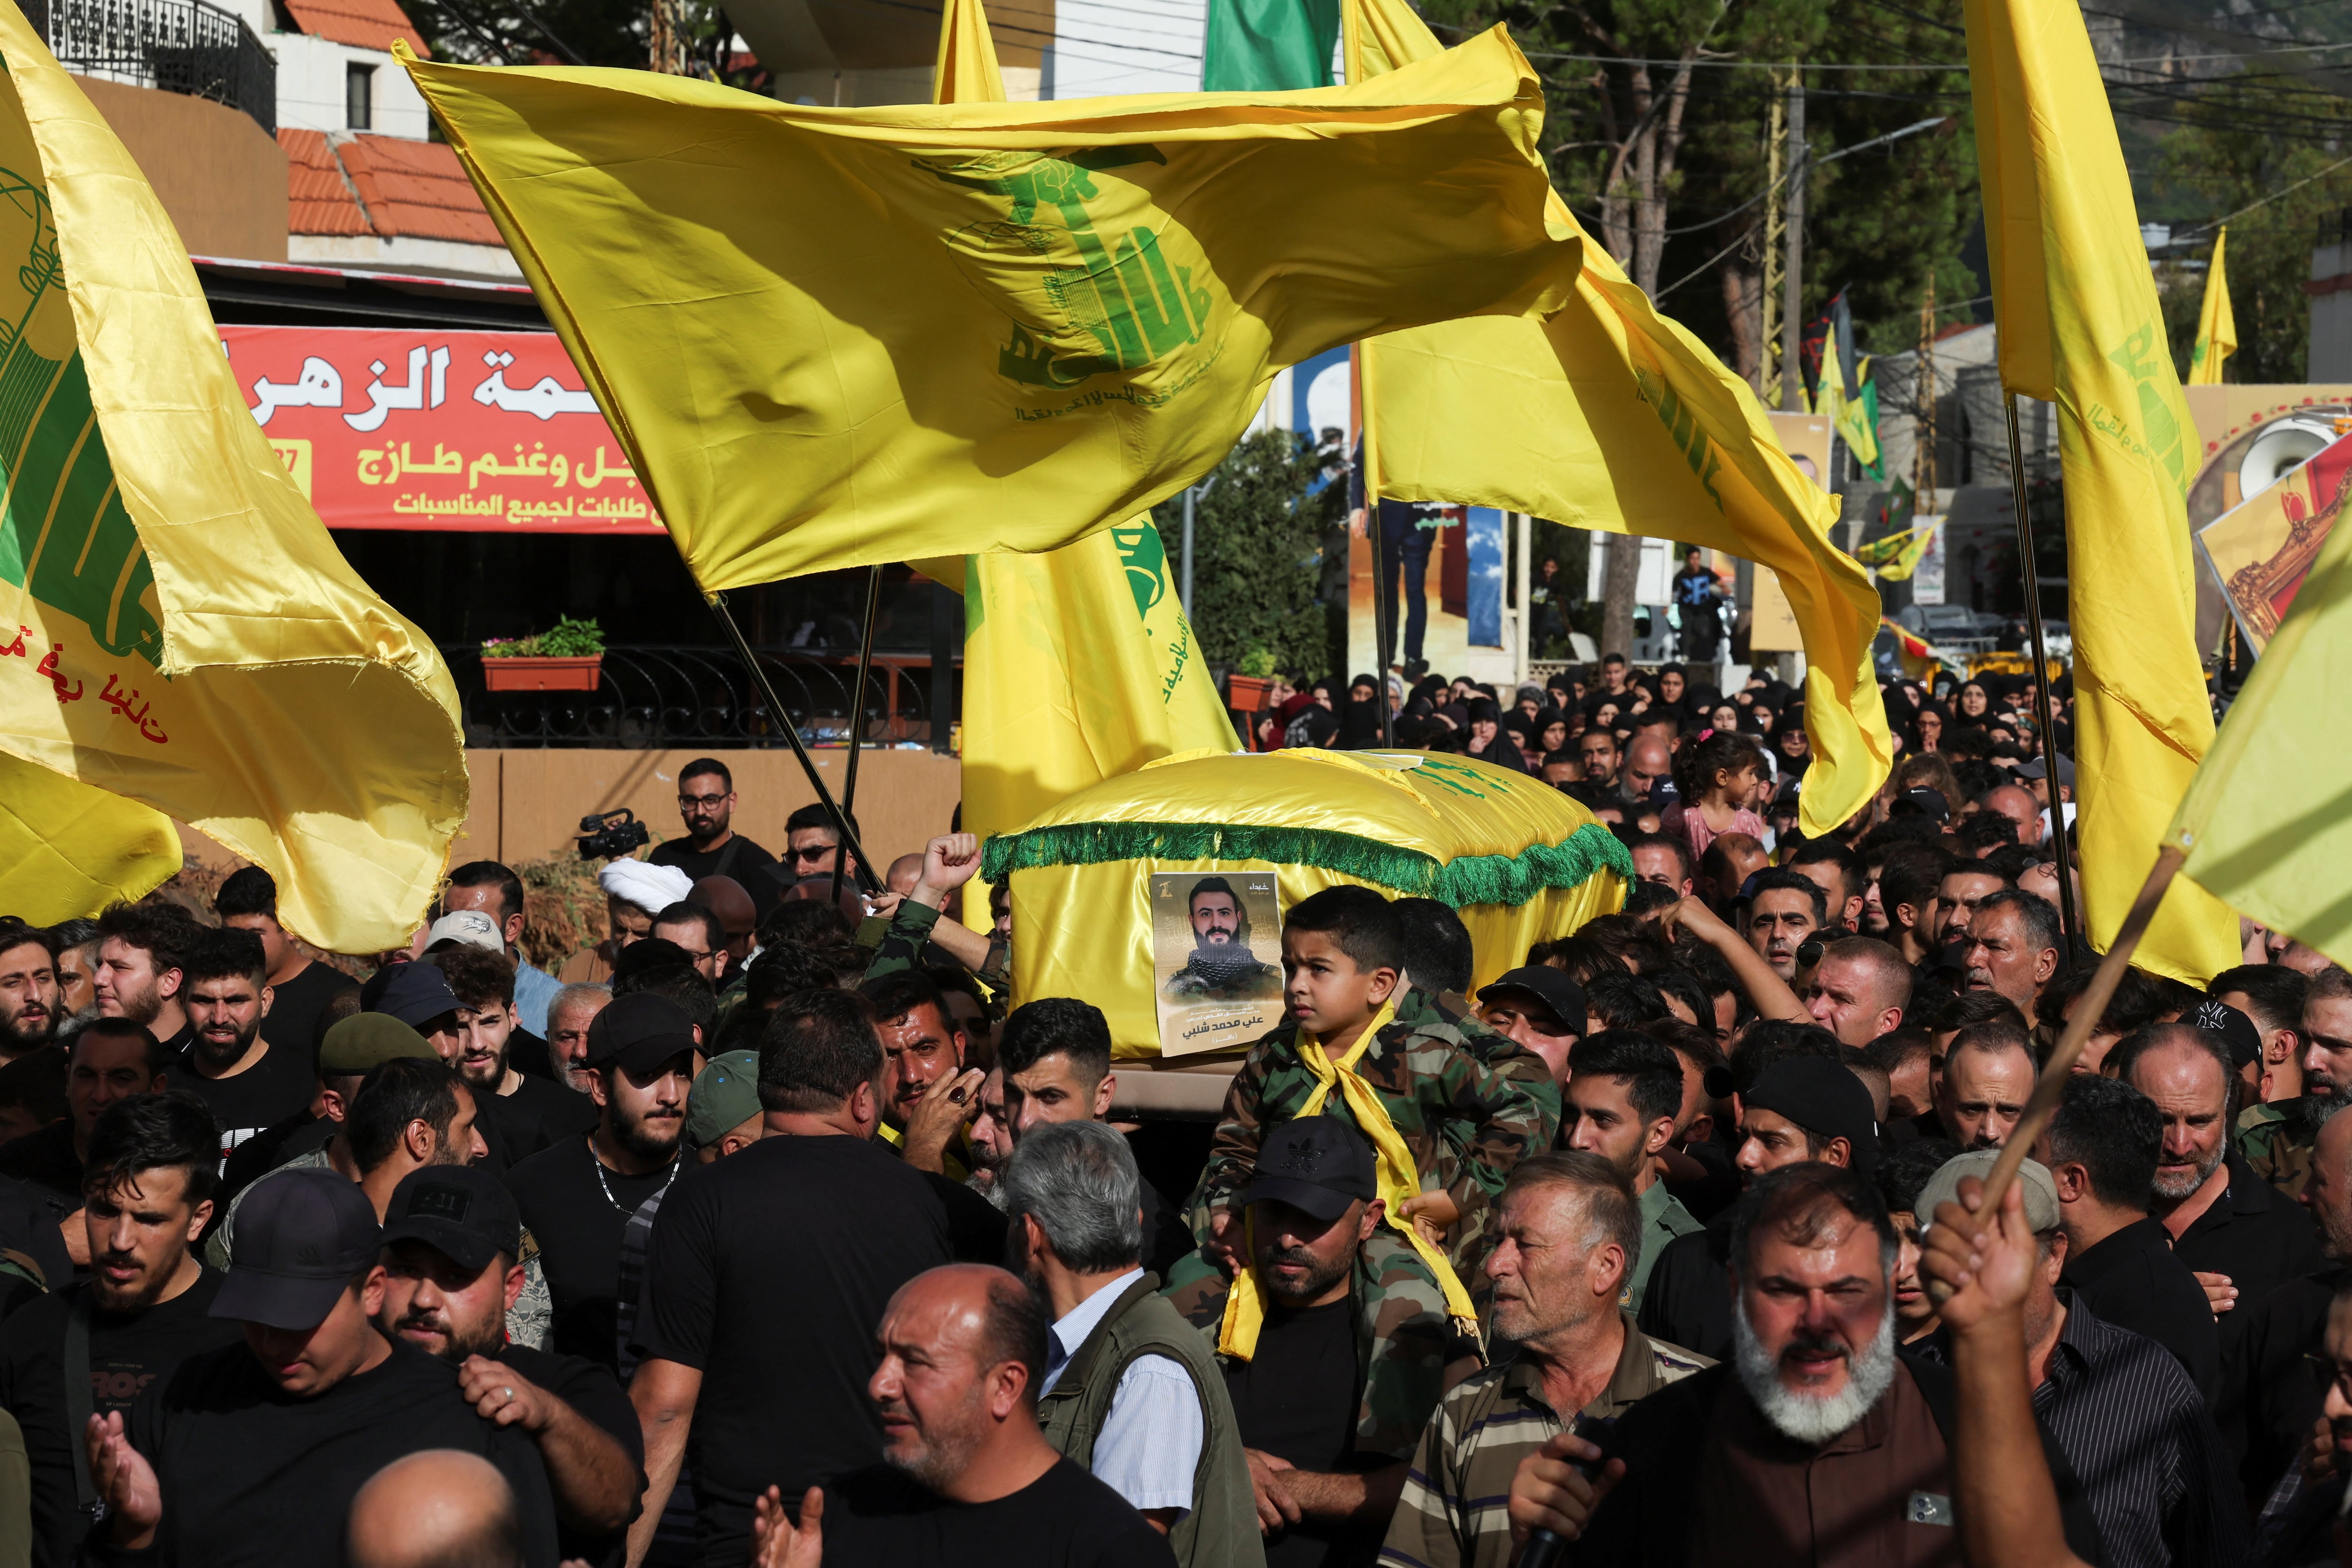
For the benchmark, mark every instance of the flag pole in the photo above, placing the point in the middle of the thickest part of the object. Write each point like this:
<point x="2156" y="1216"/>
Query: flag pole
<point x="857" y="717"/>
<point x="2084" y="1019"/>
<point x="2042" y="710"/>
<point x="842" y="830"/>
<point x="1378" y="539"/>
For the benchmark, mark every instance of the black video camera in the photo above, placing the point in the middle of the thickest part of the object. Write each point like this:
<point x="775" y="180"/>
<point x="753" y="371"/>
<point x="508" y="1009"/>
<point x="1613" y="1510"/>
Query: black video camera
<point x="609" y="835"/>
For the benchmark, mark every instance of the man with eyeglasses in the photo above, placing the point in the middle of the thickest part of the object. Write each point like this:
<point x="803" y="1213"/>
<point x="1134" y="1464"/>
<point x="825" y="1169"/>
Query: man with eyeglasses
<point x="711" y="847"/>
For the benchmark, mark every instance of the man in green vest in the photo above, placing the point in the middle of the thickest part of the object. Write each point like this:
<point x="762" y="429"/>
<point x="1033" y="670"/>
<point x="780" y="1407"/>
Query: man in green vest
<point x="1130" y="1390"/>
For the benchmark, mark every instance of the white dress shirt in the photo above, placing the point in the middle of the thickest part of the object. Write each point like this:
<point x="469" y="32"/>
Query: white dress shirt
<point x="1149" y="1445"/>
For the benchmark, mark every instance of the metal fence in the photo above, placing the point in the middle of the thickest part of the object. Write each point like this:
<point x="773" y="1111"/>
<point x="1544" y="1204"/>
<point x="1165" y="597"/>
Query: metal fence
<point x="178" y="46"/>
<point x="674" y="696"/>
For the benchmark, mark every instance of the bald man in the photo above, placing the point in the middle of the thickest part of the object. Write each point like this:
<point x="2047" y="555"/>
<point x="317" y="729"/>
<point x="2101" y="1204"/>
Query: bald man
<point x="434" y="1508"/>
<point x="2017" y="803"/>
<point x="1648" y="765"/>
<point x="963" y="1348"/>
<point x="1859" y="990"/>
<point x="1726" y="867"/>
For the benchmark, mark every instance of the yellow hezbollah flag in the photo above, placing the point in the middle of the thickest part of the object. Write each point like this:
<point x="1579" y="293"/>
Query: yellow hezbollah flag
<point x="1608" y="415"/>
<point x="2080" y="328"/>
<point x="833" y="337"/>
<point x="2216" y="327"/>
<point x="2267" y="823"/>
<point x="1078" y="663"/>
<point x="68" y="849"/>
<point x="176" y="627"/>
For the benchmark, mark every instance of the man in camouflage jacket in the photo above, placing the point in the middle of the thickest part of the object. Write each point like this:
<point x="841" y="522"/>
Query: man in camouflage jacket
<point x="1462" y="1099"/>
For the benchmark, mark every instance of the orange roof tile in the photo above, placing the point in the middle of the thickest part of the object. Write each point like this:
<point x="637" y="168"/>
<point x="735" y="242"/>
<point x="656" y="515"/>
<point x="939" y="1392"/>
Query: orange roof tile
<point x="416" y="188"/>
<point x="362" y="24"/>
<point x="319" y="202"/>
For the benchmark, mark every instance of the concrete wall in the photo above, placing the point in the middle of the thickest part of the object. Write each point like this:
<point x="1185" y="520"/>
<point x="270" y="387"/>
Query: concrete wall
<point x="528" y="803"/>
<point x="310" y="72"/>
<point x="220" y="176"/>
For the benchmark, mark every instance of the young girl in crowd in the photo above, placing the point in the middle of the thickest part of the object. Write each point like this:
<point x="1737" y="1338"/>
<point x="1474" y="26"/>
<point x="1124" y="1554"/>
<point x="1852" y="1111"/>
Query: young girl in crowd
<point x="1718" y="779"/>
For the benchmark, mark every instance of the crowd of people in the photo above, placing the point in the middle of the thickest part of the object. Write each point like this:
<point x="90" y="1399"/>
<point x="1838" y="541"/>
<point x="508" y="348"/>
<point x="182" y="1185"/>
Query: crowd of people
<point x="776" y="1228"/>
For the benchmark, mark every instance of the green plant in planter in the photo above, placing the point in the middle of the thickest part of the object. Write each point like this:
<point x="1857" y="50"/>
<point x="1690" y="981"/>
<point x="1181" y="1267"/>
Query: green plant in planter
<point x="567" y="639"/>
<point x="1257" y="662"/>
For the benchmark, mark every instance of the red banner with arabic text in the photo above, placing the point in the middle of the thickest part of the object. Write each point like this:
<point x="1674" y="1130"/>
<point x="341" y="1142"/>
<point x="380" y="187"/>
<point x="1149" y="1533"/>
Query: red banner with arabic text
<point x="478" y="432"/>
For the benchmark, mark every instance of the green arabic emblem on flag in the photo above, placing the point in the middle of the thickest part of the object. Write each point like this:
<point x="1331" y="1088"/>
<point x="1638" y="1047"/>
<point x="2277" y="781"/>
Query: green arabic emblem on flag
<point x="64" y="534"/>
<point x="1105" y="301"/>
<point x="1146" y="559"/>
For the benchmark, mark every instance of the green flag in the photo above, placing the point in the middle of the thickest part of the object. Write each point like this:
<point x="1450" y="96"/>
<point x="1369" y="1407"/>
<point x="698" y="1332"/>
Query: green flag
<point x="1269" y="46"/>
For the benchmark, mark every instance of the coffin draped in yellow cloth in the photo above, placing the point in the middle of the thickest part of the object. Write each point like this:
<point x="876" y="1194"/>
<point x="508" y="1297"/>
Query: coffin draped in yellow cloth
<point x="1520" y="861"/>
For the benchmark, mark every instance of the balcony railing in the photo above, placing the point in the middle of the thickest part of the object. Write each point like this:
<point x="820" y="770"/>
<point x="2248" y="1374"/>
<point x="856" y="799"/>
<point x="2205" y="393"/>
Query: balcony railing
<point x="178" y="46"/>
<point x="660" y="697"/>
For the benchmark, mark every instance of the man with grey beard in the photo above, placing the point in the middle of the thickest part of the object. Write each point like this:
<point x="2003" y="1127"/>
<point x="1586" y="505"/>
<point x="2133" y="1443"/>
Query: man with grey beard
<point x="2236" y="1233"/>
<point x="1819" y="1443"/>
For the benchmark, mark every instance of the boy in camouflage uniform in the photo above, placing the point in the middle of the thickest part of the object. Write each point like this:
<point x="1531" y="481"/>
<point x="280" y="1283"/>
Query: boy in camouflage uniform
<point x="1466" y="1108"/>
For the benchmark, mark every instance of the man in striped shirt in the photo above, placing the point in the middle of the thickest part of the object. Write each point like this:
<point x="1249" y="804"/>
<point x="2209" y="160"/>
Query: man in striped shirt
<point x="1571" y="1359"/>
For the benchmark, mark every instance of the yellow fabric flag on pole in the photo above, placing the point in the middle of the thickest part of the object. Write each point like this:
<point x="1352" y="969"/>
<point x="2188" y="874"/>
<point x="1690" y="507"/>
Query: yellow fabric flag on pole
<point x="2267" y="823"/>
<point x="2080" y="328"/>
<point x="70" y="849"/>
<point x="1078" y="663"/>
<point x="1608" y="415"/>
<point x="2216" y="327"/>
<point x="176" y="627"/>
<point x="830" y="337"/>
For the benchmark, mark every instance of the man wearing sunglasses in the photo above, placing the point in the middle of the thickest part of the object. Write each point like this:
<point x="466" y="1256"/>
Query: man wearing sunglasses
<point x="810" y="839"/>
<point x="711" y="847"/>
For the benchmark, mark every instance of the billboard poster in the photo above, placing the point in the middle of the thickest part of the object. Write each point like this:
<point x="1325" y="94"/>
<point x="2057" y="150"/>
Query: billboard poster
<point x="478" y="432"/>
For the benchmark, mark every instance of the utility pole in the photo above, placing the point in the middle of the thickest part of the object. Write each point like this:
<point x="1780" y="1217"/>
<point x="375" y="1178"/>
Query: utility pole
<point x="1792" y="268"/>
<point x="1776" y="223"/>
<point x="1923" y="403"/>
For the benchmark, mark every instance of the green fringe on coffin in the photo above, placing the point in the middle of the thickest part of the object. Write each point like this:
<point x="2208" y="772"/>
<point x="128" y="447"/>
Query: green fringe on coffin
<point x="1471" y="879"/>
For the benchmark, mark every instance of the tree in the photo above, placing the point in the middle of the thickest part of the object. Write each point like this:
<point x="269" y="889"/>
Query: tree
<point x="2236" y="149"/>
<point x="1260" y="540"/>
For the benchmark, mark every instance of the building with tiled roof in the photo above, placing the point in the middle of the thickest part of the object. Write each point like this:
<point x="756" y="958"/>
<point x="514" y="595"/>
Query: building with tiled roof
<point x="314" y="147"/>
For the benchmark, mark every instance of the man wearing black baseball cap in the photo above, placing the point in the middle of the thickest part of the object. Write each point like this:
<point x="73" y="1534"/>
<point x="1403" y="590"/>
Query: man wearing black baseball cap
<point x="1330" y="1274"/>
<point x="1540" y="1007"/>
<point x="451" y="1239"/>
<point x="577" y="1196"/>
<point x="252" y="1453"/>
<point x="1800" y="1108"/>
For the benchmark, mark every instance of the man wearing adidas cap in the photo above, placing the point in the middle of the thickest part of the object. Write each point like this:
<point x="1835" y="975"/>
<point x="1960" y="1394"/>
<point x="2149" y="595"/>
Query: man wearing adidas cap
<point x="251" y="1455"/>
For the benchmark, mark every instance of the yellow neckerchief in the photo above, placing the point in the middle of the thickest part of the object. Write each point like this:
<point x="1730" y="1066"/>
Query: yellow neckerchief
<point x="1400" y="1179"/>
<point x="896" y="1137"/>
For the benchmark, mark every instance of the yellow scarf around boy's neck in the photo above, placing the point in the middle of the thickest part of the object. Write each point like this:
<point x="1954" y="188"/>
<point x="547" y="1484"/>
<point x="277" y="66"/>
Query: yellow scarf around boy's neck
<point x="1400" y="1179"/>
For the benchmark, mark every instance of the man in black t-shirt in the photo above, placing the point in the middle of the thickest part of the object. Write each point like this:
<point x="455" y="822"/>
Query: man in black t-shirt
<point x="250" y="1084"/>
<point x="451" y="1239"/>
<point x="143" y="1311"/>
<point x="577" y="1196"/>
<point x="966" y="1478"/>
<point x="529" y="1114"/>
<point x="248" y="901"/>
<point x="1299" y="1395"/>
<point x="251" y="1455"/>
<point x="770" y="1270"/>
<point x="711" y="847"/>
